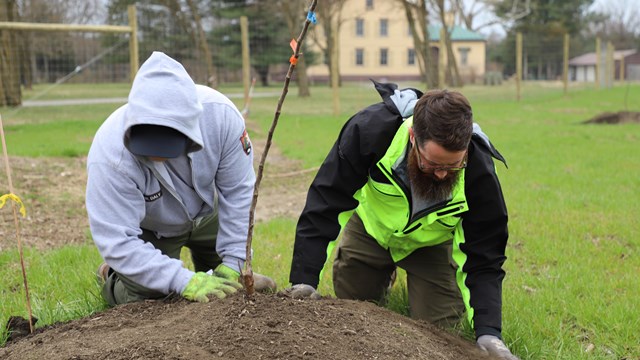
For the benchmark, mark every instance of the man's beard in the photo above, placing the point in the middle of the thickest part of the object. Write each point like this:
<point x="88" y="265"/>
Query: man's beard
<point x="427" y="185"/>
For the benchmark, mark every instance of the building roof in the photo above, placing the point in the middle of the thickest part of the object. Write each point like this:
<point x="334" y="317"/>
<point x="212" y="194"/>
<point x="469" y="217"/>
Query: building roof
<point x="458" y="33"/>
<point x="590" y="58"/>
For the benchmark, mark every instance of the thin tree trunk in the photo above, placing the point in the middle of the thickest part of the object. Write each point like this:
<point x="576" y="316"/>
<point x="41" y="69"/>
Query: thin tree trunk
<point x="292" y="11"/>
<point x="418" y="21"/>
<point x="333" y="49"/>
<point x="417" y="45"/>
<point x="302" y="78"/>
<point x="452" y="66"/>
<point x="212" y="80"/>
<point x="330" y="18"/>
<point x="10" y="93"/>
<point x="539" y="75"/>
<point x="325" y="24"/>
<point x="25" y="60"/>
<point x="525" y="65"/>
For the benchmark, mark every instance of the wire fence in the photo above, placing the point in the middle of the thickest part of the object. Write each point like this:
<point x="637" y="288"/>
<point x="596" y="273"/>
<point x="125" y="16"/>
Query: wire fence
<point x="211" y="51"/>
<point x="89" y="57"/>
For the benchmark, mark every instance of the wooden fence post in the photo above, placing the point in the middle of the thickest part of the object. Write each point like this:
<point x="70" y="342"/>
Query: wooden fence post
<point x="518" y="64"/>
<point x="246" y="63"/>
<point x="133" y="42"/>
<point x="565" y="64"/>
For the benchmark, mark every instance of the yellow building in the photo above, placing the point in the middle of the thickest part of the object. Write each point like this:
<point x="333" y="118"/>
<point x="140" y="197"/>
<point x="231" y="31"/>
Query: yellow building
<point x="376" y="42"/>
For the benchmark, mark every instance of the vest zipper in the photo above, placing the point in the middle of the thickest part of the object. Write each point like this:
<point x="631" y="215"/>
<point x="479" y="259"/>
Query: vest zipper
<point x="412" y="219"/>
<point x="415" y="227"/>
<point x="398" y="182"/>
<point x="439" y="206"/>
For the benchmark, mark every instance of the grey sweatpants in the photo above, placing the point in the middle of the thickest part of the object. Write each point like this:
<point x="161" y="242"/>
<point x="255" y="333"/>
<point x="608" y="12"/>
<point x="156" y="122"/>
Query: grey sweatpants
<point x="362" y="271"/>
<point x="118" y="289"/>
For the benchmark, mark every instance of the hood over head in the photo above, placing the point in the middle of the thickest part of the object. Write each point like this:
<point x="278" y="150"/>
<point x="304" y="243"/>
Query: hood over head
<point x="163" y="94"/>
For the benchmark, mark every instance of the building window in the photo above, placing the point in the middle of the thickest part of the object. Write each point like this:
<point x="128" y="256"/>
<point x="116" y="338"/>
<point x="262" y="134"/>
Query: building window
<point x="384" y="57"/>
<point x="359" y="57"/>
<point x="384" y="27"/>
<point x="464" y="56"/>
<point x="369" y="4"/>
<point x="360" y="27"/>
<point x="411" y="56"/>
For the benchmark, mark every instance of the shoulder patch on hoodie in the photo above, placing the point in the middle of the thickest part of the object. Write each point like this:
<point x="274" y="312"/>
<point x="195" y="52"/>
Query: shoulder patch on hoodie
<point x="153" y="197"/>
<point x="245" y="142"/>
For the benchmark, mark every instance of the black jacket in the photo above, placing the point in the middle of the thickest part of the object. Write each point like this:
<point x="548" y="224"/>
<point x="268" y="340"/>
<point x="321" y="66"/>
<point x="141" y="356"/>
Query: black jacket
<point x="363" y="141"/>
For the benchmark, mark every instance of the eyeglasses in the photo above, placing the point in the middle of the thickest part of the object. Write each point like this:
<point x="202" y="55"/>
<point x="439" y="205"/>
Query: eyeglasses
<point x="431" y="169"/>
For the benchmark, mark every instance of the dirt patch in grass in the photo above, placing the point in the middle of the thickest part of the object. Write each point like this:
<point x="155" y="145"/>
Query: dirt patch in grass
<point x="270" y="327"/>
<point x="620" y="117"/>
<point x="53" y="191"/>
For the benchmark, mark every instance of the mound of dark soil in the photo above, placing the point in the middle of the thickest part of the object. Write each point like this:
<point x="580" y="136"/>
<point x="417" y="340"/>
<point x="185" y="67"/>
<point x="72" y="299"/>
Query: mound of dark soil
<point x="270" y="327"/>
<point x="620" y="117"/>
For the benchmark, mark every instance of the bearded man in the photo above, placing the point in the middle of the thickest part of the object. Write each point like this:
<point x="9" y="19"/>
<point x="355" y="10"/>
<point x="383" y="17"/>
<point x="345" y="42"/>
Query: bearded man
<point x="411" y="183"/>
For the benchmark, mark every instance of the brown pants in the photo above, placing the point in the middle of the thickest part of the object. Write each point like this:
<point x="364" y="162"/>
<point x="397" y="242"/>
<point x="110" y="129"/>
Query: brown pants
<point x="362" y="271"/>
<point x="118" y="289"/>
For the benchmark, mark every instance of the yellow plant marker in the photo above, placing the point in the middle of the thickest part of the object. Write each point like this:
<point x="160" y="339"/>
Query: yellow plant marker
<point x="15" y="198"/>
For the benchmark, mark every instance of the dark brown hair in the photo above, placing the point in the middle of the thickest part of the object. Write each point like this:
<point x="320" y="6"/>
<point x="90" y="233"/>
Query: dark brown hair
<point x="444" y="117"/>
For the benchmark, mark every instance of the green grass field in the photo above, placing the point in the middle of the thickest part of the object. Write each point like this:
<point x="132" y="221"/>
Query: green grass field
<point x="571" y="291"/>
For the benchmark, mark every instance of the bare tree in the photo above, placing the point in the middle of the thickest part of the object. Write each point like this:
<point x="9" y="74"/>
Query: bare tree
<point x="331" y="19"/>
<point x="63" y="11"/>
<point x="81" y="11"/>
<point x="467" y="12"/>
<point x="188" y="16"/>
<point x="618" y="22"/>
<point x="293" y="11"/>
<point x="452" y="67"/>
<point x="53" y="47"/>
<point x="417" y="14"/>
<point x="10" y="94"/>
<point x="202" y="42"/>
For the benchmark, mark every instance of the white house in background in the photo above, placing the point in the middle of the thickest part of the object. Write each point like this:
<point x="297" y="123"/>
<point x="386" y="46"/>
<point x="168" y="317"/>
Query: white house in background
<point x="376" y="42"/>
<point x="583" y="67"/>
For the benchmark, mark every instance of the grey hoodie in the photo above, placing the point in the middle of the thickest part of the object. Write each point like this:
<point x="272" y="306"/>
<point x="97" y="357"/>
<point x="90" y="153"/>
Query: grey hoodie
<point x="126" y="193"/>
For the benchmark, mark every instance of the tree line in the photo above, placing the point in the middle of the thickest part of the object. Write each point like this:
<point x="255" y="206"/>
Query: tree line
<point x="208" y="32"/>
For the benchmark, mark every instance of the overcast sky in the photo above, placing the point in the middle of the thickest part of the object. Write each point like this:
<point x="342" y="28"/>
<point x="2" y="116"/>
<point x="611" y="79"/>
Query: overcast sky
<point x="598" y="5"/>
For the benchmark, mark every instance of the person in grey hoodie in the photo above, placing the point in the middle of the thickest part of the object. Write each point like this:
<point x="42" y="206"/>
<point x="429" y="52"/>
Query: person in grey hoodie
<point x="171" y="168"/>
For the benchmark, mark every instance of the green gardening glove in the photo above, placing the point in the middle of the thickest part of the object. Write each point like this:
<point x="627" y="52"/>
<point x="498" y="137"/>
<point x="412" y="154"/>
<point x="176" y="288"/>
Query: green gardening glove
<point x="202" y="284"/>
<point x="226" y="272"/>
